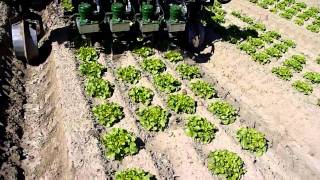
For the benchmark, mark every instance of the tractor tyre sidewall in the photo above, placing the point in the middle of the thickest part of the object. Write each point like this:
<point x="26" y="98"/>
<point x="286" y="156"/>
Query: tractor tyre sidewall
<point x="196" y="36"/>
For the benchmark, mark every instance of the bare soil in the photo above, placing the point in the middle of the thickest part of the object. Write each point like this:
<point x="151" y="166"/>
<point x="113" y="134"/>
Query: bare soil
<point x="50" y="132"/>
<point x="59" y="140"/>
<point x="11" y="102"/>
<point x="289" y="119"/>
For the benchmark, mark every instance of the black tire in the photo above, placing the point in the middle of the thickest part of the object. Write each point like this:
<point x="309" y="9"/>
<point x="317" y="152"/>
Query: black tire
<point x="196" y="36"/>
<point x="224" y="1"/>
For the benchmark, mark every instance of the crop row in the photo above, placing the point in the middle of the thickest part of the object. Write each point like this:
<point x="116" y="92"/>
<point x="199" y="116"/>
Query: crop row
<point x="292" y="10"/>
<point x="155" y="118"/>
<point x="199" y="128"/>
<point x="215" y="14"/>
<point x="260" y="44"/>
<point x="108" y="113"/>
<point x="276" y="48"/>
<point x="295" y="64"/>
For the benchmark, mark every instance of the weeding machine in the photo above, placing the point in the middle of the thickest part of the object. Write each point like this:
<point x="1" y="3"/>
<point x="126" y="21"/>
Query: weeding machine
<point x="145" y="18"/>
<point x="120" y="18"/>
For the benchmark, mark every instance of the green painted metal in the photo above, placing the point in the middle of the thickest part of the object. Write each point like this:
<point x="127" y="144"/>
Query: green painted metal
<point x="117" y="10"/>
<point x="147" y="11"/>
<point x="175" y="13"/>
<point x="84" y="11"/>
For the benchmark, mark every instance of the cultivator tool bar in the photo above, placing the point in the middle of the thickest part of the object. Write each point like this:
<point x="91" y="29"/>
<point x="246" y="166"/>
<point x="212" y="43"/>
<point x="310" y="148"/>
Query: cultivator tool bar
<point x="145" y="18"/>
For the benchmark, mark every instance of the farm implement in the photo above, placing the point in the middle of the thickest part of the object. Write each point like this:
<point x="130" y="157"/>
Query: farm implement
<point x="145" y="19"/>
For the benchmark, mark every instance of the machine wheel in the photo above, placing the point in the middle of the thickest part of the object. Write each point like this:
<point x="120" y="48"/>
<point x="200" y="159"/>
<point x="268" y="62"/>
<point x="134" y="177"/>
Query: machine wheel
<point x="24" y="40"/>
<point x="196" y="36"/>
<point x="224" y="1"/>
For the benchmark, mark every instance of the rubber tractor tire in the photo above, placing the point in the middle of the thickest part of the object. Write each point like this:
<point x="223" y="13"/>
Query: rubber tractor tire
<point x="196" y="33"/>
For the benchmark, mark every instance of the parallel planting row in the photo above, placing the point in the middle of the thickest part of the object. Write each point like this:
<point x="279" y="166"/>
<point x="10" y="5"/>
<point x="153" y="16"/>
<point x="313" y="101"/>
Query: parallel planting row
<point x="120" y="143"/>
<point x="302" y="15"/>
<point x="269" y="45"/>
<point x="264" y="46"/>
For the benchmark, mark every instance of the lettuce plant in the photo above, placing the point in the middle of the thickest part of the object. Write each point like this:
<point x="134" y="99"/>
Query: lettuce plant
<point x="202" y="89"/>
<point x="224" y="111"/>
<point x="153" y="118"/>
<point x="300" y="57"/>
<point x="97" y="87"/>
<point x="295" y="63"/>
<point x="313" y="28"/>
<point x="181" y="103"/>
<point x="257" y="42"/>
<point x="252" y="140"/>
<point x="261" y="57"/>
<point x="226" y="163"/>
<point x="119" y="143"/>
<point x="200" y="129"/>
<point x="67" y="5"/>
<point x="283" y="47"/>
<point x="173" y="56"/>
<point x="282" y="72"/>
<point x="273" y="52"/>
<point x="91" y="69"/>
<point x="87" y="54"/>
<point x="247" y="47"/>
<point x="129" y="74"/>
<point x="188" y="71"/>
<point x="144" y="52"/>
<point x="108" y="113"/>
<point x="165" y="82"/>
<point x="258" y="26"/>
<point x="299" y="21"/>
<point x="153" y="65"/>
<point x="141" y="95"/>
<point x="289" y="43"/>
<point x="314" y="77"/>
<point x="303" y="87"/>
<point x="134" y="174"/>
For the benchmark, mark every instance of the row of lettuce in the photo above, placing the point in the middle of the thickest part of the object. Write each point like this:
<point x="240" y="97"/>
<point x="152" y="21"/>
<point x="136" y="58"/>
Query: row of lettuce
<point x="120" y="143"/>
<point x="264" y="46"/>
<point x="309" y="17"/>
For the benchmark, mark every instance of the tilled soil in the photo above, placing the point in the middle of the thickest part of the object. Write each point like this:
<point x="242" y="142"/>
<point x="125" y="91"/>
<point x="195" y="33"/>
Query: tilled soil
<point x="61" y="138"/>
<point x="59" y="141"/>
<point x="11" y="103"/>
<point x="289" y="118"/>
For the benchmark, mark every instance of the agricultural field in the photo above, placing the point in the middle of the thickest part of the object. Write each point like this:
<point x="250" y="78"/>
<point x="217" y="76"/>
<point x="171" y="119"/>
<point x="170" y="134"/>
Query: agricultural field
<point x="247" y="107"/>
